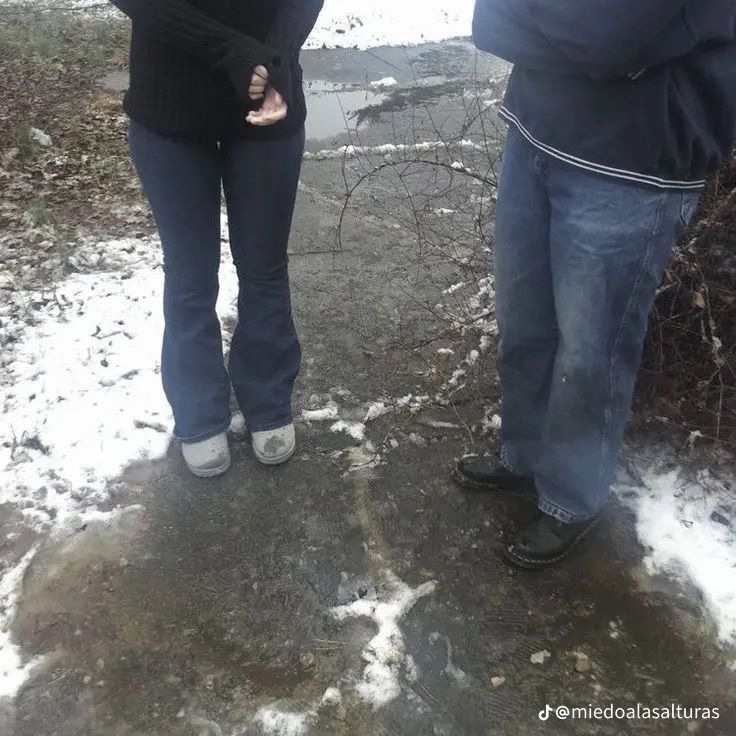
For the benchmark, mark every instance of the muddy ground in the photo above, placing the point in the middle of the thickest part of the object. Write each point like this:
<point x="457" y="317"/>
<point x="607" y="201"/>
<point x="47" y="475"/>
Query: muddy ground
<point x="201" y="602"/>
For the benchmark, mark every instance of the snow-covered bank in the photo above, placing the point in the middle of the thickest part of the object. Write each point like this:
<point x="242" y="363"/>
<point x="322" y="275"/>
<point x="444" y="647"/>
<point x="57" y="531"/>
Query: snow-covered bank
<point x="687" y="527"/>
<point x="80" y="392"/>
<point x="352" y="23"/>
<point x="369" y="23"/>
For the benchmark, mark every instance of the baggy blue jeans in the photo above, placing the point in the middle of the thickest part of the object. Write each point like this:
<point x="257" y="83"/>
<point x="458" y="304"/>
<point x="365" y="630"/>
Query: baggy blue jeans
<point x="183" y="181"/>
<point x="578" y="261"/>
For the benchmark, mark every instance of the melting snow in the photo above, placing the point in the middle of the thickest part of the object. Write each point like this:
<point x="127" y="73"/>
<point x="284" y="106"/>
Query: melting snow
<point x="13" y="670"/>
<point x="332" y="696"/>
<point x="384" y="83"/>
<point x="80" y="396"/>
<point x="385" y="654"/>
<point x="325" y="414"/>
<point x="282" y="723"/>
<point x="356" y="430"/>
<point x="685" y="526"/>
<point x="81" y="392"/>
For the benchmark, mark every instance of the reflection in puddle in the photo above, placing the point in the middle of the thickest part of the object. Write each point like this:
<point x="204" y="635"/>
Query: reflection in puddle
<point x="333" y="108"/>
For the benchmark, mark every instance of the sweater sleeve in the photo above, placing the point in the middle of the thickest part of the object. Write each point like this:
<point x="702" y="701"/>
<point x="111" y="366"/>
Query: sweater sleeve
<point x="292" y="25"/>
<point x="181" y="24"/>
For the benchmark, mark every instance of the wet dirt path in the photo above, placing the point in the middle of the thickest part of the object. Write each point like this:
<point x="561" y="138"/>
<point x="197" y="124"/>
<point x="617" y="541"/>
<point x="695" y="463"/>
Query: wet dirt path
<point x="355" y="591"/>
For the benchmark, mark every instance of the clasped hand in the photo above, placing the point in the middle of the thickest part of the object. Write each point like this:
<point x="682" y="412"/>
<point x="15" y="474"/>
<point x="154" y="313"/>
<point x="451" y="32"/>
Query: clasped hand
<point x="273" y="108"/>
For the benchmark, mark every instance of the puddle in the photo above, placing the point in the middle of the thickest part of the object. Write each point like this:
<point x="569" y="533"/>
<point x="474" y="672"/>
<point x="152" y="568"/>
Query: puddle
<point x="335" y="108"/>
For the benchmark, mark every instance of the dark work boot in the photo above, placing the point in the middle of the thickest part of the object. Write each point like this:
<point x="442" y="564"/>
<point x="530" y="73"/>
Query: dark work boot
<point x="483" y="473"/>
<point x="546" y="542"/>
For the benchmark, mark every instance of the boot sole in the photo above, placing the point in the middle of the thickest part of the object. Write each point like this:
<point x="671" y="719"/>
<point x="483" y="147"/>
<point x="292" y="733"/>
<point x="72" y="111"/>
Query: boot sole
<point x="210" y="472"/>
<point x="475" y="485"/>
<point x="279" y="460"/>
<point x="529" y="563"/>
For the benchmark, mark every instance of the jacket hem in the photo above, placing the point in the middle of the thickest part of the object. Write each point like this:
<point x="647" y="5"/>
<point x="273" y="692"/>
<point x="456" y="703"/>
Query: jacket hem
<point x="590" y="166"/>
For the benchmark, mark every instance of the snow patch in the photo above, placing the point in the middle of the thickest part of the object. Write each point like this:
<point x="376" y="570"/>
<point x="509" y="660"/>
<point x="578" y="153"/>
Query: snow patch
<point x="80" y="393"/>
<point x="385" y="654"/>
<point x="282" y="723"/>
<point x="13" y="670"/>
<point x="375" y="410"/>
<point x="80" y="396"/>
<point x="681" y="522"/>
<point x="384" y="83"/>
<point x="359" y="24"/>
<point x="369" y="23"/>
<point x="356" y="430"/>
<point x="332" y="696"/>
<point x="326" y="414"/>
<point x="388" y="149"/>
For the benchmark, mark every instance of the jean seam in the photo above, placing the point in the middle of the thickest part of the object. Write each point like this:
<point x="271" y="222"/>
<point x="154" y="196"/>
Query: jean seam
<point x="605" y="435"/>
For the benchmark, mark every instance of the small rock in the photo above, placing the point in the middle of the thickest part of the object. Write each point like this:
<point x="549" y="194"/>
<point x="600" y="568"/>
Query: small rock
<point x="720" y="519"/>
<point x="540" y="657"/>
<point x="87" y="679"/>
<point x="582" y="662"/>
<point x="498" y="681"/>
<point x="38" y="135"/>
<point x="417" y="440"/>
<point x="307" y="659"/>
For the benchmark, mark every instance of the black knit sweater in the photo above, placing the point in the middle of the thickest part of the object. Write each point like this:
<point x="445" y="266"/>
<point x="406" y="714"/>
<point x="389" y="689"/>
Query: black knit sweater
<point x="191" y="62"/>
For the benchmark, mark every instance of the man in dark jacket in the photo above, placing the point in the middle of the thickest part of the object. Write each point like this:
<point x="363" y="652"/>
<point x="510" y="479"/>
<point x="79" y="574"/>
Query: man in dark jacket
<point x="616" y="117"/>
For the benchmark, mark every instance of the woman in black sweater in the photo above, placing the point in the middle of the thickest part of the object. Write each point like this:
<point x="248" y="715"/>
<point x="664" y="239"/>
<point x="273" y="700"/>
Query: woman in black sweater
<point x="215" y="101"/>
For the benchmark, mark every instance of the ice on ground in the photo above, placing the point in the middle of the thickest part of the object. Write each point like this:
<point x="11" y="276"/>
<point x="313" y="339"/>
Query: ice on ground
<point x="688" y="531"/>
<point x="385" y="654"/>
<point x="14" y="671"/>
<point x="451" y="669"/>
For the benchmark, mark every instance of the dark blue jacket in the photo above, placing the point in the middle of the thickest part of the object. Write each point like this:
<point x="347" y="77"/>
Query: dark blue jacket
<point x="641" y="90"/>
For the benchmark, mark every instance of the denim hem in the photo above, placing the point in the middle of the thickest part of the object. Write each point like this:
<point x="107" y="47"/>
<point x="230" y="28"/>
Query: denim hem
<point x="204" y="435"/>
<point x="506" y="457"/>
<point x="269" y="427"/>
<point x="557" y="512"/>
